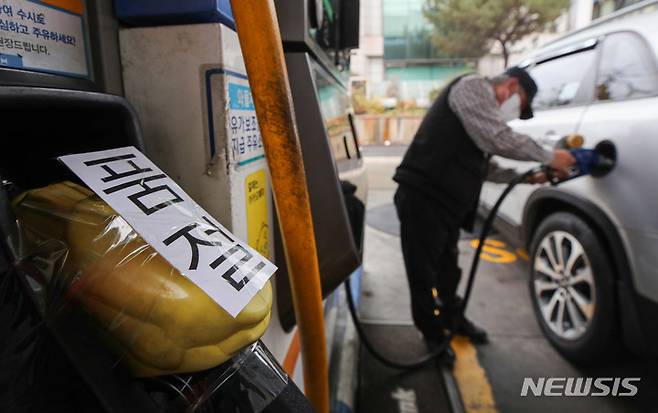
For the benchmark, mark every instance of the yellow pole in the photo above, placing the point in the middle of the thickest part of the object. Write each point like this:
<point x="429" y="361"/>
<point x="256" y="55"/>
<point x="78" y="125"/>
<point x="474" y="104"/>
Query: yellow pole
<point x="260" y="41"/>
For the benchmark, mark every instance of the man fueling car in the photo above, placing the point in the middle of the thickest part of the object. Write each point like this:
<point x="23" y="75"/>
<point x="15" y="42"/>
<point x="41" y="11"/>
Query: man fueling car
<point x="440" y="179"/>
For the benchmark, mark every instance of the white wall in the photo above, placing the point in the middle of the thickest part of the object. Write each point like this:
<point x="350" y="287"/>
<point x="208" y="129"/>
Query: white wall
<point x="580" y="13"/>
<point x="367" y="60"/>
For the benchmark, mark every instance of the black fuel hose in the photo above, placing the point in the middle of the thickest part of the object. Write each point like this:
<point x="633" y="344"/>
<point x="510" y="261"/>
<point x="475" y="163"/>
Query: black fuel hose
<point x="438" y="351"/>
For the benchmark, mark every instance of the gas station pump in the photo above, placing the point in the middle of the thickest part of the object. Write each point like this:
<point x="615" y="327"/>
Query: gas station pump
<point x="317" y="38"/>
<point x="60" y="94"/>
<point x="186" y="76"/>
<point x="189" y="86"/>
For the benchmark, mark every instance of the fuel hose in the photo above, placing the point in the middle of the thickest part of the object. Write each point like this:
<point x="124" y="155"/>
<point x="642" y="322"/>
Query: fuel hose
<point x="441" y="348"/>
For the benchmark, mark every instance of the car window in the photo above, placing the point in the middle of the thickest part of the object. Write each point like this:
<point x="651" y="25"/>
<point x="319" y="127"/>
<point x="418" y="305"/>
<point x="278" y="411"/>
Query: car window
<point x="627" y="69"/>
<point x="559" y="80"/>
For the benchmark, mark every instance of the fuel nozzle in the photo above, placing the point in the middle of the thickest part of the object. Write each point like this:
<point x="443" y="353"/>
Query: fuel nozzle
<point x="596" y="162"/>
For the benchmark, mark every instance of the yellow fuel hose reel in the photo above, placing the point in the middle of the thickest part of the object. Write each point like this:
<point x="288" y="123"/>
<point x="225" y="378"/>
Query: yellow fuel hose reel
<point x="155" y="319"/>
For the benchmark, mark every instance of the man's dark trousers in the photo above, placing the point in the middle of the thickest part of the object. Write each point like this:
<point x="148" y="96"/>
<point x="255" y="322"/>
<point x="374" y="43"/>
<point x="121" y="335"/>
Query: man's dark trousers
<point x="429" y="245"/>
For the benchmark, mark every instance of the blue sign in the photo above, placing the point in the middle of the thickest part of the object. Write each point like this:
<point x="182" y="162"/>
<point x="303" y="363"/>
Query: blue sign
<point x="240" y="97"/>
<point x="11" y="61"/>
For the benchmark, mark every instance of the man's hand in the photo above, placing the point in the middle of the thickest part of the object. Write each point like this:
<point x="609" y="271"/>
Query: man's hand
<point x="538" y="178"/>
<point x="562" y="161"/>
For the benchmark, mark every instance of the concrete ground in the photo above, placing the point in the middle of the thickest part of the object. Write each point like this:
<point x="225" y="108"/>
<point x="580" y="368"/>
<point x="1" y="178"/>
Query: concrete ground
<point x="490" y="377"/>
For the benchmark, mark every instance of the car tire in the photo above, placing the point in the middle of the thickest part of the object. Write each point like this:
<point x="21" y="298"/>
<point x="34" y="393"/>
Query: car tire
<point x="578" y="316"/>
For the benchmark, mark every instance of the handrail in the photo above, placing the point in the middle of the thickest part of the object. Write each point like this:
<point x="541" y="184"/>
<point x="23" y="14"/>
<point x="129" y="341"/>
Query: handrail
<point x="262" y="50"/>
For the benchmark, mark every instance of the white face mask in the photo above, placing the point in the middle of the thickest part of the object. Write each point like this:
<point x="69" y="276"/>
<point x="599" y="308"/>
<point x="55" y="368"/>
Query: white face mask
<point x="511" y="108"/>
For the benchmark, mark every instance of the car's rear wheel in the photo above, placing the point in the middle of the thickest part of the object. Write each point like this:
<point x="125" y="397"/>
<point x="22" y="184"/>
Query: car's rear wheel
<point x="572" y="289"/>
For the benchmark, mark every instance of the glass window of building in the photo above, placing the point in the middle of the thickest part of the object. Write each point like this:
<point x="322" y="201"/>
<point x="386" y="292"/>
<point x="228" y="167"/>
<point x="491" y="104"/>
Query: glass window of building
<point x="413" y="67"/>
<point x="407" y="34"/>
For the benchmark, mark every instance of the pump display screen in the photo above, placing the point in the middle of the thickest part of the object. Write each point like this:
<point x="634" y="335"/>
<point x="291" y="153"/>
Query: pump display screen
<point x="334" y="106"/>
<point x="45" y="36"/>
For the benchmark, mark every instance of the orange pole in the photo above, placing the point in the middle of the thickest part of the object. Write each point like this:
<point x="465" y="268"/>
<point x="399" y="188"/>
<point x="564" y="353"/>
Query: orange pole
<point x="260" y="40"/>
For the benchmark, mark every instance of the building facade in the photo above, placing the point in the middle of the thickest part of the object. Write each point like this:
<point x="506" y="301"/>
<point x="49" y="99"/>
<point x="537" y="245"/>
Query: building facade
<point x="397" y="59"/>
<point x="397" y="71"/>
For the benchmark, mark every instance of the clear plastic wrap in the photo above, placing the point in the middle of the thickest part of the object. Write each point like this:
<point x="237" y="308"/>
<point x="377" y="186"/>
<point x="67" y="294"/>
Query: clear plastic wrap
<point x="250" y="382"/>
<point x="155" y="321"/>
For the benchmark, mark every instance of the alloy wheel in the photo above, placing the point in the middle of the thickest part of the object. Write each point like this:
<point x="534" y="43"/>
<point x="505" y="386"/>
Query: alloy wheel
<point x="564" y="285"/>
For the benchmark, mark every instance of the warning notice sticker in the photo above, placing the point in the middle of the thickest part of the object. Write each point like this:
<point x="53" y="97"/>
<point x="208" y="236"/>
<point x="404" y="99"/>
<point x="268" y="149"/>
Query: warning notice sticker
<point x="225" y="268"/>
<point x="244" y="133"/>
<point x="230" y="102"/>
<point x="46" y="36"/>
<point x="258" y="227"/>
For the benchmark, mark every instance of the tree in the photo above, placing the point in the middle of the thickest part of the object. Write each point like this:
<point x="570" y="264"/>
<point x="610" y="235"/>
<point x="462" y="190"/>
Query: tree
<point x="468" y="28"/>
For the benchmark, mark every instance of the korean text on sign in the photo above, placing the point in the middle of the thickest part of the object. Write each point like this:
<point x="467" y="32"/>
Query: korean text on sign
<point x="225" y="268"/>
<point x="244" y="132"/>
<point x="41" y="36"/>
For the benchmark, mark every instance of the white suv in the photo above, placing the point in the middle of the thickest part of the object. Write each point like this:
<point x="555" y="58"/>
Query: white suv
<point x="593" y="242"/>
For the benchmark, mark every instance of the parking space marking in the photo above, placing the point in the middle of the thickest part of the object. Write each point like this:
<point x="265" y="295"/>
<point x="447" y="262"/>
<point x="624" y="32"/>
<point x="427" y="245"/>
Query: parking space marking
<point x="494" y="251"/>
<point x="471" y="378"/>
<point x="523" y="254"/>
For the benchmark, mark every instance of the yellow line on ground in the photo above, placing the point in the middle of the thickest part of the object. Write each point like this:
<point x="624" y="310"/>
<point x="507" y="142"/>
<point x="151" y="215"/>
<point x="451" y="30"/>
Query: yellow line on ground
<point x="471" y="378"/>
<point x="494" y="251"/>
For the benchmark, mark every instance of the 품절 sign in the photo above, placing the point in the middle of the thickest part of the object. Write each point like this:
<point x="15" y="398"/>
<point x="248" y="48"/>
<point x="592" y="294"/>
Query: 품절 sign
<point x="196" y="244"/>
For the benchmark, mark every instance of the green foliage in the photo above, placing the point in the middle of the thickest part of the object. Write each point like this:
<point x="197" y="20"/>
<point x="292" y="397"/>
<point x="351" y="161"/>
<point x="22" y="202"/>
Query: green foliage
<point x="467" y="28"/>
<point x="362" y="105"/>
<point x="434" y="93"/>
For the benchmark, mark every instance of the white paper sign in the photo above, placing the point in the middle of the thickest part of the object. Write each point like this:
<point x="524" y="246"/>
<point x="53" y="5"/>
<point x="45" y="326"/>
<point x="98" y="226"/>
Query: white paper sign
<point x="225" y="268"/>
<point x="36" y="35"/>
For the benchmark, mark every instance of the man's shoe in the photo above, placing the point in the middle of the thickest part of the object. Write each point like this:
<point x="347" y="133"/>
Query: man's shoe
<point x="473" y="332"/>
